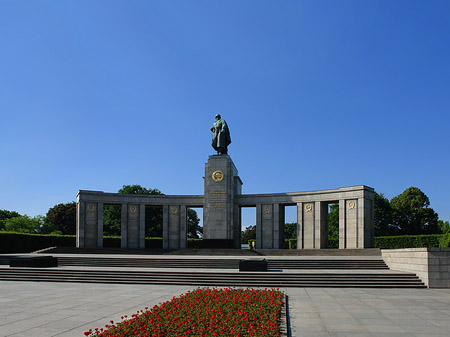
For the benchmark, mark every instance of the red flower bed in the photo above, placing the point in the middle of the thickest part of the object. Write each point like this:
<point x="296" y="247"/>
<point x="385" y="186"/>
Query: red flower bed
<point x="205" y="312"/>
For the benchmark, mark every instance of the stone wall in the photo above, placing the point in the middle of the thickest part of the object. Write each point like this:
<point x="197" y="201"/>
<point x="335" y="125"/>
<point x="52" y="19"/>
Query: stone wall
<point x="431" y="265"/>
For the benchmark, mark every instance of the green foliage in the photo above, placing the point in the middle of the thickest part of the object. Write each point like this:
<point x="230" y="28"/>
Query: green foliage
<point x="290" y="230"/>
<point x="26" y="243"/>
<point x="383" y="216"/>
<point x="194" y="231"/>
<point x="250" y="243"/>
<point x="291" y="244"/>
<point x="248" y="234"/>
<point x="138" y="189"/>
<point x="24" y="224"/>
<point x="445" y="240"/>
<point x="444" y="227"/>
<point x="333" y="226"/>
<point x="6" y="215"/>
<point x="408" y="241"/>
<point x="194" y="243"/>
<point x="111" y="220"/>
<point x="412" y="215"/>
<point x="61" y="218"/>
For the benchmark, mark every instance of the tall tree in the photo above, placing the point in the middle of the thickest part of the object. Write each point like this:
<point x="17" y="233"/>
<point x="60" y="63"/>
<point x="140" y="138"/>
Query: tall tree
<point x="248" y="234"/>
<point x="24" y="224"/>
<point x="290" y="230"/>
<point x="383" y="216"/>
<point x="412" y="214"/>
<point x="444" y="226"/>
<point x="5" y="215"/>
<point x="194" y="231"/>
<point x="333" y="226"/>
<point x="61" y="219"/>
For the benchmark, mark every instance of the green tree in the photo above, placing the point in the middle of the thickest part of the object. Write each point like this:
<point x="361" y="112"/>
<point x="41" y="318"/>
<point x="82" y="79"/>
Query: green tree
<point x="24" y="224"/>
<point x="383" y="216"/>
<point x="333" y="226"/>
<point x="61" y="219"/>
<point x="444" y="226"/>
<point x="194" y="230"/>
<point x="248" y="234"/>
<point x="412" y="214"/>
<point x="5" y="215"/>
<point x="290" y="230"/>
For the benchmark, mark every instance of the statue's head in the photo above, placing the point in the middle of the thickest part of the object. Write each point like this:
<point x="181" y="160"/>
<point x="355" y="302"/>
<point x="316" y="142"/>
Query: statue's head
<point x="218" y="116"/>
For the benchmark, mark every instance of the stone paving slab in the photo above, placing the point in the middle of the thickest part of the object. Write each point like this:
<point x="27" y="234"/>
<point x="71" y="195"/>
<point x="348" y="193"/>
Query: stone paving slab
<point x="46" y="309"/>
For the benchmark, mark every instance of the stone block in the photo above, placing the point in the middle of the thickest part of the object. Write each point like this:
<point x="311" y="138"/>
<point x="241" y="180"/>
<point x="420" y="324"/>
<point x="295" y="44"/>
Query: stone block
<point x="253" y="264"/>
<point x="35" y="261"/>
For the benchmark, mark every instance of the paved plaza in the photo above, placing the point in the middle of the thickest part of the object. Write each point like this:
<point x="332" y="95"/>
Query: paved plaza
<point x="44" y="309"/>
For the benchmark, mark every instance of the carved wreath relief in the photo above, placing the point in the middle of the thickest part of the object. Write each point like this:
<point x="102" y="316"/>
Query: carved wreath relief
<point x="308" y="207"/>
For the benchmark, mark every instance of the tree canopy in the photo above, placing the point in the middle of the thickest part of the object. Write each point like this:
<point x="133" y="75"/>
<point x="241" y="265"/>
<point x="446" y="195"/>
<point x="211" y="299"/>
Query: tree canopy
<point x="411" y="214"/>
<point x="61" y="219"/>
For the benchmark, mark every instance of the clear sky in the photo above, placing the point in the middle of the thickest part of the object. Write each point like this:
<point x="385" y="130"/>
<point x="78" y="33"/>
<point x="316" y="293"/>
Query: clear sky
<point x="317" y="94"/>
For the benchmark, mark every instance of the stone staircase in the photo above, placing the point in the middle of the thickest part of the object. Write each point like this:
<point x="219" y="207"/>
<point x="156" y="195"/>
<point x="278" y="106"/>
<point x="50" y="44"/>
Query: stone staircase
<point x="228" y="263"/>
<point x="294" y="272"/>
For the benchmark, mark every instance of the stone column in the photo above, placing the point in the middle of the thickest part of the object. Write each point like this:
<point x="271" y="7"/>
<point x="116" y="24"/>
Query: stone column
<point x="308" y="222"/>
<point x="165" y="227"/>
<point x="91" y="225"/>
<point x="100" y="224"/>
<point x="300" y="226"/>
<point x="348" y="224"/>
<point x="142" y="226"/>
<point x="176" y="227"/>
<point x="182" y="242"/>
<point x="259" y="225"/>
<point x="81" y="222"/>
<point x="124" y="225"/>
<point x="270" y="226"/>
<point x="222" y="183"/>
<point x="133" y="226"/>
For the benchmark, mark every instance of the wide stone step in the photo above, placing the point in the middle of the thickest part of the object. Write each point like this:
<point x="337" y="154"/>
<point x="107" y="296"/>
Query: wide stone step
<point x="213" y="279"/>
<point x="220" y="263"/>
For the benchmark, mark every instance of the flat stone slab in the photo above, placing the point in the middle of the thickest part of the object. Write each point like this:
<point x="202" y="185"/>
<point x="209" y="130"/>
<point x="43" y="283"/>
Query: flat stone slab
<point x="34" y="261"/>
<point x="253" y="264"/>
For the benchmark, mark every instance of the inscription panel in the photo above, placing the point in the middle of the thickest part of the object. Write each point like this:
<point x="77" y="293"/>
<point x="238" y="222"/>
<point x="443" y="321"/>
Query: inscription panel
<point x="218" y="199"/>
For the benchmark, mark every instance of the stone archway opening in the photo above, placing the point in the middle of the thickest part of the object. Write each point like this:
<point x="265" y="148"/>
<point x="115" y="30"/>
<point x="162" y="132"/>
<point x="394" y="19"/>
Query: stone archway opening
<point x="112" y="225"/>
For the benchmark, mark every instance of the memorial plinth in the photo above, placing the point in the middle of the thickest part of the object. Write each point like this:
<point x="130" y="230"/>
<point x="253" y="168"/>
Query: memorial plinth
<point x="221" y="217"/>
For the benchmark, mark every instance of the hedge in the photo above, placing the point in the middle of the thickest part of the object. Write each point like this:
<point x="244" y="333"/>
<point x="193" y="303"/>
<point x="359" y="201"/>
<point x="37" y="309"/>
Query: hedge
<point x="410" y="241"/>
<point x="390" y="242"/>
<point x="24" y="243"/>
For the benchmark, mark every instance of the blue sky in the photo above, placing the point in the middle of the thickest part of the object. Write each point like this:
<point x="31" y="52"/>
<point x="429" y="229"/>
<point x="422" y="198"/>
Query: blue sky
<point x="317" y="95"/>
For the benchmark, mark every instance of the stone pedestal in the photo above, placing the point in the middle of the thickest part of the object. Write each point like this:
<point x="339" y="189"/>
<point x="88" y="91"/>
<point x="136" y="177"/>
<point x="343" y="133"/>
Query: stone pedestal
<point x="221" y="217"/>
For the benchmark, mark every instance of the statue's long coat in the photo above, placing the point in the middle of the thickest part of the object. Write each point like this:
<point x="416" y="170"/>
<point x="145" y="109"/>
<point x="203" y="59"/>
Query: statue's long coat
<point x="221" y="135"/>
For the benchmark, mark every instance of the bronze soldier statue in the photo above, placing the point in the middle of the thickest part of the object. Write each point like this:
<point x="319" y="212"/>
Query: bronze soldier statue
<point x="221" y="135"/>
